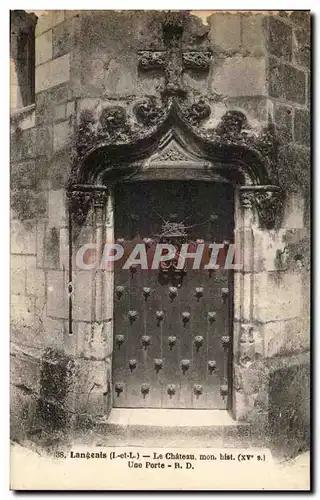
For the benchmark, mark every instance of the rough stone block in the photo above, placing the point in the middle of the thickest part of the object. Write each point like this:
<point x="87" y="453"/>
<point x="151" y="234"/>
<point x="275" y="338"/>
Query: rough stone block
<point x="61" y="39"/>
<point x="59" y="172"/>
<point x="279" y="38"/>
<point x="24" y="120"/>
<point x="90" y="387"/>
<point x="28" y="204"/>
<point x="82" y="298"/>
<point x="301" y="47"/>
<point x="23" y="144"/>
<point x="283" y="117"/>
<point x="48" y="99"/>
<point x="301" y="18"/>
<point x="51" y="248"/>
<point x="302" y="127"/>
<point x="44" y="47"/>
<point x="283" y="338"/>
<point x="25" y="370"/>
<point x="225" y="32"/>
<point x="54" y="332"/>
<point x="43" y="144"/>
<point x="64" y="248"/>
<point x="256" y="108"/>
<point x="92" y="341"/>
<point x="70" y="108"/>
<point x="253" y="34"/>
<point x="294" y="212"/>
<point x="18" y="274"/>
<point x="22" y="409"/>
<point x="286" y="82"/>
<point x="21" y="311"/>
<point x="52" y="73"/>
<point x="23" y="237"/>
<point x="35" y="278"/>
<point x="240" y="76"/>
<point x="47" y="19"/>
<point x="266" y="246"/>
<point x="277" y="295"/>
<point x="57" y="213"/>
<point x="61" y="135"/>
<point x="57" y="296"/>
<point x="23" y="175"/>
<point x="60" y="112"/>
<point x="289" y="403"/>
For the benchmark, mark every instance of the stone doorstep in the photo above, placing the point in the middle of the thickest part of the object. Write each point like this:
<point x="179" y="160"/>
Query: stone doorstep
<point x="173" y="427"/>
<point x="154" y="417"/>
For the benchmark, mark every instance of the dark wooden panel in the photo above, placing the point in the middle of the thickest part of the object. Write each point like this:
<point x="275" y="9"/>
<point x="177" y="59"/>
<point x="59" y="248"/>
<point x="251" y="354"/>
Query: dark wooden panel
<point x="163" y="361"/>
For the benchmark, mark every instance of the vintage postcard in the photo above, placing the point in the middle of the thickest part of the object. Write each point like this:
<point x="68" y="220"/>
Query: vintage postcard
<point x="160" y="242"/>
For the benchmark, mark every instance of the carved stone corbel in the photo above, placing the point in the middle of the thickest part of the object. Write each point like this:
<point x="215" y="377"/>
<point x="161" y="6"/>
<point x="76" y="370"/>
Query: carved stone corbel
<point x="268" y="205"/>
<point x="81" y="199"/>
<point x="267" y="200"/>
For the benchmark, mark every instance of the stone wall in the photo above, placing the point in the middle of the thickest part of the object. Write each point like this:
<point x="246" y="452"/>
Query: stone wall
<point x="260" y="66"/>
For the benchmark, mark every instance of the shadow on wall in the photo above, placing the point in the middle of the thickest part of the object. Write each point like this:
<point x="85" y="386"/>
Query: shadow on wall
<point x="289" y="409"/>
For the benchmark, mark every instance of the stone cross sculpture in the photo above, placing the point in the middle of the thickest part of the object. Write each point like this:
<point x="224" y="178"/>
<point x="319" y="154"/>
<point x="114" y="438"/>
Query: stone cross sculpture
<point x="174" y="60"/>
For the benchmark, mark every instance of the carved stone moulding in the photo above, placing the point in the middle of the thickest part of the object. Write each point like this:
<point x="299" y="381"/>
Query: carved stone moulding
<point x="82" y="197"/>
<point x="196" y="60"/>
<point x="266" y="199"/>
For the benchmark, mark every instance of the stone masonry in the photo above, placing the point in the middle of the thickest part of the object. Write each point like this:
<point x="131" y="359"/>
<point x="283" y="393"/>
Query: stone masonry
<point x="260" y="66"/>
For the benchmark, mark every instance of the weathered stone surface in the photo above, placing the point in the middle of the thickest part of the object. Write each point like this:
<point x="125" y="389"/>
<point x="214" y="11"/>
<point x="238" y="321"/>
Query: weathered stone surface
<point x="301" y="47"/>
<point x="253" y="28"/>
<point x="18" y="274"/>
<point x="51" y="248"/>
<point x="301" y="18"/>
<point x="35" y="277"/>
<point x="23" y="175"/>
<point x="283" y="116"/>
<point x="28" y="204"/>
<point x="47" y="19"/>
<point x="52" y="73"/>
<point x="88" y="373"/>
<point x="25" y="370"/>
<point x="302" y="127"/>
<point x="22" y="410"/>
<point x="55" y="331"/>
<point x="266" y="249"/>
<point x="59" y="112"/>
<point x="240" y="76"/>
<point x="47" y="100"/>
<point x="57" y="212"/>
<point x="61" y="135"/>
<point x="61" y="39"/>
<point x="44" y="48"/>
<point x="23" y="144"/>
<point x="23" y="237"/>
<point x="256" y="108"/>
<point x="225" y="32"/>
<point x="57" y="297"/>
<point x="287" y="82"/>
<point x="82" y="301"/>
<point x="21" y="310"/>
<point x="294" y="211"/>
<point x="23" y="119"/>
<point x="286" y="287"/>
<point x="43" y="145"/>
<point x="283" y="338"/>
<point x="279" y="38"/>
<point x="289" y="403"/>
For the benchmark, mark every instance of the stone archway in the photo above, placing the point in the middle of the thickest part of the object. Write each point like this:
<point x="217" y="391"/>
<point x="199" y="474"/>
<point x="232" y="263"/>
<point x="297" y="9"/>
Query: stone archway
<point x="172" y="150"/>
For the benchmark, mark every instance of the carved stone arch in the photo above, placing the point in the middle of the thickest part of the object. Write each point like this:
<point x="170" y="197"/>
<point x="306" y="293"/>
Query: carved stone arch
<point x="167" y="138"/>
